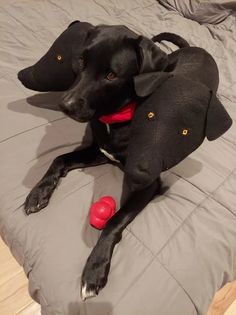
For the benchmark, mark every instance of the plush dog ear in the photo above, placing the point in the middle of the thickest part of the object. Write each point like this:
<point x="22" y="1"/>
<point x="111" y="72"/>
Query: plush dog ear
<point x="147" y="83"/>
<point x="218" y="120"/>
<point x="150" y="57"/>
<point x="74" y="22"/>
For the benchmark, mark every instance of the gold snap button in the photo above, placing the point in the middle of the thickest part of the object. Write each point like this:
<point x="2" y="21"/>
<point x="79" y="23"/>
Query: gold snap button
<point x="59" y="58"/>
<point x="150" y="115"/>
<point x="185" y="132"/>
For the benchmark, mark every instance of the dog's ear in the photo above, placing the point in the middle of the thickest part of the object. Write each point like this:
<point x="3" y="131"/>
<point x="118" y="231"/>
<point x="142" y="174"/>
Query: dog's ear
<point x="218" y="120"/>
<point x="147" y="83"/>
<point x="150" y="57"/>
<point x="72" y="23"/>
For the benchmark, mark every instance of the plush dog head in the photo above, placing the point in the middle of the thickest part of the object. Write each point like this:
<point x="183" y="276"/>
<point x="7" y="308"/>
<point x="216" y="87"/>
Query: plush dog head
<point x="97" y="64"/>
<point x="216" y="122"/>
<point x="53" y="72"/>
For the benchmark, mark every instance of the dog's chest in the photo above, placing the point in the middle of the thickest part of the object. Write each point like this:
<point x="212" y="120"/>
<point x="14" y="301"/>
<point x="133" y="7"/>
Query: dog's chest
<point x="112" y="139"/>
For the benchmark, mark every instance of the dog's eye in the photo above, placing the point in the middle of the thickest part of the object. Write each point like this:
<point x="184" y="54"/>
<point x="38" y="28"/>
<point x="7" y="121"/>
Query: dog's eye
<point x="111" y="76"/>
<point x="81" y="63"/>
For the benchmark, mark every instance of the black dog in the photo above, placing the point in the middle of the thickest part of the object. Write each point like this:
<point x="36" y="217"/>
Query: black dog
<point x="176" y="108"/>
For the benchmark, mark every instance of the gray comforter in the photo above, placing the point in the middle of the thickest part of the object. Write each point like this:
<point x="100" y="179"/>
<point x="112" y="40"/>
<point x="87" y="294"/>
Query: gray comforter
<point x="182" y="248"/>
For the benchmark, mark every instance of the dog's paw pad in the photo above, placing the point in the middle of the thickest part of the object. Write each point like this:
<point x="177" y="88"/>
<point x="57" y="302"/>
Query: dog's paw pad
<point x="38" y="198"/>
<point x="88" y="291"/>
<point x="35" y="208"/>
<point x="29" y="210"/>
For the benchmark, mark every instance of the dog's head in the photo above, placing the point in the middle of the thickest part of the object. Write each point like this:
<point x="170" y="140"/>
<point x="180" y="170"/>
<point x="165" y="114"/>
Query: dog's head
<point x="104" y="70"/>
<point x="98" y="66"/>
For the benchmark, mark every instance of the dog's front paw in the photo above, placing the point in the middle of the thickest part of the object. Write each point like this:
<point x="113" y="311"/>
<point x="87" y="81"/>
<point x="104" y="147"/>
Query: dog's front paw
<point x="39" y="196"/>
<point x="95" y="274"/>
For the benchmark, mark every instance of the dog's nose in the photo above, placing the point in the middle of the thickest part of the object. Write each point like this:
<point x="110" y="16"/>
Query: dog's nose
<point x="70" y="100"/>
<point x="76" y="107"/>
<point x="68" y="103"/>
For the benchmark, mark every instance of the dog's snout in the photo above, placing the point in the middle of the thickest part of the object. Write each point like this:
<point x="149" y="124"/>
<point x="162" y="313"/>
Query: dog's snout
<point x="67" y="103"/>
<point x="70" y="101"/>
<point x="76" y="107"/>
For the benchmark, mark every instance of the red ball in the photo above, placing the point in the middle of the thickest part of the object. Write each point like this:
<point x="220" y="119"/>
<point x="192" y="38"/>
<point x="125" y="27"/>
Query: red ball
<point x="101" y="211"/>
<point x="109" y="200"/>
<point x="97" y="223"/>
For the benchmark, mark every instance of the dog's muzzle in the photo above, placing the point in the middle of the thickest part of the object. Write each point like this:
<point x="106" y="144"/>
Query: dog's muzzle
<point x="76" y="108"/>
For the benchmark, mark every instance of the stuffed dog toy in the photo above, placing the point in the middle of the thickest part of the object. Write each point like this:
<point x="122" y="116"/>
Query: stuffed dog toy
<point x="147" y="111"/>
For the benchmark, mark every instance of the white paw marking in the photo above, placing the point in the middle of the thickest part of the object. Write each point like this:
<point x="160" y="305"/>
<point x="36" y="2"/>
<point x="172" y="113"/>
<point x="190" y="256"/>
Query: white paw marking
<point x="86" y="294"/>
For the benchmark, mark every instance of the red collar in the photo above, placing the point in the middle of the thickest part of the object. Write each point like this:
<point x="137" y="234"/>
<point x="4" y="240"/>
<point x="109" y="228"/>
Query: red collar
<point x="126" y="113"/>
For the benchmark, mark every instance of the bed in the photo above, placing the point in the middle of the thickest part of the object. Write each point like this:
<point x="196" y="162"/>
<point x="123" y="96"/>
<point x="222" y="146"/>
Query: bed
<point x="182" y="248"/>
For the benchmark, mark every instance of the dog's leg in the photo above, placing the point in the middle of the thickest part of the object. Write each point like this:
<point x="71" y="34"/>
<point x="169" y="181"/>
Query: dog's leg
<point x="97" y="267"/>
<point x="41" y="193"/>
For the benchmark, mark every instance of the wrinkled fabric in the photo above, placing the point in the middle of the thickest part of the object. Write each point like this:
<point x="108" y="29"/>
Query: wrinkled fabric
<point x="182" y="248"/>
<point x="203" y="11"/>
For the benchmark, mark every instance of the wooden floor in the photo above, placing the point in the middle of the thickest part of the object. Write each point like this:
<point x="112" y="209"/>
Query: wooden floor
<point x="14" y="297"/>
<point x="15" y="300"/>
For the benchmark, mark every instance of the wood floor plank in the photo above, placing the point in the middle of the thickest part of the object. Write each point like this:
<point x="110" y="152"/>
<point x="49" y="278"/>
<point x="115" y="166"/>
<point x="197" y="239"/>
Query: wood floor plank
<point x="223" y="300"/>
<point x="9" y="266"/>
<point x="232" y="309"/>
<point x="14" y="294"/>
<point x="2" y="244"/>
<point x="32" y="309"/>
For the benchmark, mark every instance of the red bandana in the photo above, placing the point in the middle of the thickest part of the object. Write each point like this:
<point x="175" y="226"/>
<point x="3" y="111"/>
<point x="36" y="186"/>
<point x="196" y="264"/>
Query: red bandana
<point x="125" y="114"/>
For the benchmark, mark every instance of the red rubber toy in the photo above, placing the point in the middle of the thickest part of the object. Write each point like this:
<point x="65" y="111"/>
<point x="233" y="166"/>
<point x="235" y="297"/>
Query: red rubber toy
<point x="101" y="211"/>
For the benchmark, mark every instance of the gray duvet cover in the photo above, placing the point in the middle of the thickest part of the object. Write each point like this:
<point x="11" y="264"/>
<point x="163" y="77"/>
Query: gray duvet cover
<point x="182" y="248"/>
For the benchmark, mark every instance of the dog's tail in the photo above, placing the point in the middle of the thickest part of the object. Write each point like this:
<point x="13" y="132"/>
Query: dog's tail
<point x="171" y="37"/>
